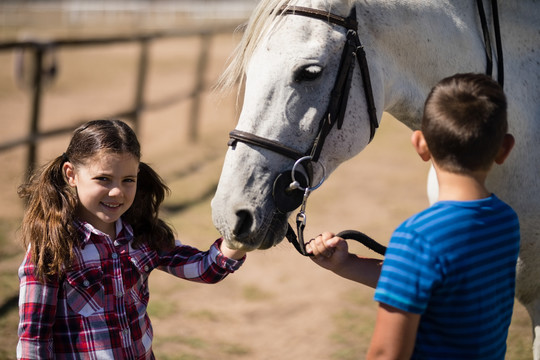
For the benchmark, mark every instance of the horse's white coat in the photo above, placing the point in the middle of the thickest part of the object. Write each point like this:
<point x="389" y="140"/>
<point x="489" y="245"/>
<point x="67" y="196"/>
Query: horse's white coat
<point x="410" y="45"/>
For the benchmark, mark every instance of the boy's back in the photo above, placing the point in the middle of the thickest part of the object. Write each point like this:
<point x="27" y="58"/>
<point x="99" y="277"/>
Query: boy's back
<point x="454" y="263"/>
<point x="446" y="286"/>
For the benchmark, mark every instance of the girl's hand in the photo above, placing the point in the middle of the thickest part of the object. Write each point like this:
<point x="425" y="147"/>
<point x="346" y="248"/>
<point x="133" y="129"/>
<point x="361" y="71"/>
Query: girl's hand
<point x="330" y="251"/>
<point x="232" y="253"/>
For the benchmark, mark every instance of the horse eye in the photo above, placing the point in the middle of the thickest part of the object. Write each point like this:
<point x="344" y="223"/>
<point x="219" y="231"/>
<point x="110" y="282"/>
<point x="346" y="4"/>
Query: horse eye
<point x="308" y="73"/>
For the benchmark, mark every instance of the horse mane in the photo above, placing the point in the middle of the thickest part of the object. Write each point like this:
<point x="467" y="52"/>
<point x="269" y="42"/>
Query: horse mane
<point x="261" y="22"/>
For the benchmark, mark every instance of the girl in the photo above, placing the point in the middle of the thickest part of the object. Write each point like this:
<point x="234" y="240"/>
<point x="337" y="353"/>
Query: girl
<point x="93" y="234"/>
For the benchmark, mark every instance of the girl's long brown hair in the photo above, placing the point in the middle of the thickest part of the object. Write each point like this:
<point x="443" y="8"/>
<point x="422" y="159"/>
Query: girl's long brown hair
<point x="48" y="223"/>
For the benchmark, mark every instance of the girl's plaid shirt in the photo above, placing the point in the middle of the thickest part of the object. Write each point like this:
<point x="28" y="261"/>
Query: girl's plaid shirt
<point x="98" y="311"/>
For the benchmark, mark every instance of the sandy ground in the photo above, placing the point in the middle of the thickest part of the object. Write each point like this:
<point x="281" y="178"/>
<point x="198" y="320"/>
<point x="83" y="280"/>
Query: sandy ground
<point x="279" y="305"/>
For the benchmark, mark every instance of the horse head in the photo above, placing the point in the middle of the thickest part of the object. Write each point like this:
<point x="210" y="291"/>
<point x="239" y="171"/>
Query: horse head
<point x="292" y="63"/>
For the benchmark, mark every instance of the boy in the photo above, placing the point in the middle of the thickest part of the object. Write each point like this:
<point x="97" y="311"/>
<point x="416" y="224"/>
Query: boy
<point x="446" y="287"/>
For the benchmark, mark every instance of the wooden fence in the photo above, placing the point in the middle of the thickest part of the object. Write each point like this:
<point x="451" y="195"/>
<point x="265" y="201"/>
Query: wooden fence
<point x="40" y="50"/>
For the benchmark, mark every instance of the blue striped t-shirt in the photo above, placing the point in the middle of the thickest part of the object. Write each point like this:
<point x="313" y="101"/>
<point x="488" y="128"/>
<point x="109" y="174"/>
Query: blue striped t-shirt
<point x="454" y="263"/>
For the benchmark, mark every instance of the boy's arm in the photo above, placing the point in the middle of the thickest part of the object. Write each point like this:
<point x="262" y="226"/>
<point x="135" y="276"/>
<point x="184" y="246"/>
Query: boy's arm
<point x="331" y="252"/>
<point x="394" y="335"/>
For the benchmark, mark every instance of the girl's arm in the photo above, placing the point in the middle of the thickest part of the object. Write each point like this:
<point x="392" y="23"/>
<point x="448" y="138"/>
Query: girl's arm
<point x="192" y="264"/>
<point x="37" y="312"/>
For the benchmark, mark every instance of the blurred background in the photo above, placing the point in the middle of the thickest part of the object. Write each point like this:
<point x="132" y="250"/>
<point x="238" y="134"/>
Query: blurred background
<point x="153" y="65"/>
<point x="59" y="16"/>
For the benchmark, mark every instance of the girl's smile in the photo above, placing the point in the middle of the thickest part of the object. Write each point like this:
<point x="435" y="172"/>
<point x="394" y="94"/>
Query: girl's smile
<point x="106" y="185"/>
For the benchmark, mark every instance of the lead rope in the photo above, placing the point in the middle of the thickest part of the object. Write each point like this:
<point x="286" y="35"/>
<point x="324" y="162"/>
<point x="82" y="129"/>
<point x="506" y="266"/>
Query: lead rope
<point x="301" y="219"/>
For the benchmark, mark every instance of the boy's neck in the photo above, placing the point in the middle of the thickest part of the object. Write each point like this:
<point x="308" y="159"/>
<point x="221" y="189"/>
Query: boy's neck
<point x="462" y="187"/>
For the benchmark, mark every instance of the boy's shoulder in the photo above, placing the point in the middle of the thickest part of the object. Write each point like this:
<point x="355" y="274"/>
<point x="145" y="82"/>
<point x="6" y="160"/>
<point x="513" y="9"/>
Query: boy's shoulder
<point x="445" y="224"/>
<point x="446" y="212"/>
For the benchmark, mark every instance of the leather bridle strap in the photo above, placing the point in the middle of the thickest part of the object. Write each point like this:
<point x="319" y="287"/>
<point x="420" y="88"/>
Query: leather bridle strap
<point x="274" y="146"/>
<point x="335" y="112"/>
<point x="252" y="139"/>
<point x="347" y="23"/>
<point x="339" y="96"/>
<point x="498" y="42"/>
<point x="487" y="41"/>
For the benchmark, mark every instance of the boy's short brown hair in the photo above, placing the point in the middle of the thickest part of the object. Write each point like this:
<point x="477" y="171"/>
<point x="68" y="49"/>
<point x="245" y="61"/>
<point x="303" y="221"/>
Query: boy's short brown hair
<point x="464" y="122"/>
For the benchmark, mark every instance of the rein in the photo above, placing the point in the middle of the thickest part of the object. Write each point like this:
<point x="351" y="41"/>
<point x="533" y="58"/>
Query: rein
<point x="487" y="40"/>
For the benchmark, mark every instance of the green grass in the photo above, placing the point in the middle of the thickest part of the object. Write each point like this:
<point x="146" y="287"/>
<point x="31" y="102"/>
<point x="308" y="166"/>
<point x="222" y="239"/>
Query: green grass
<point x="255" y="293"/>
<point x="353" y="323"/>
<point x="161" y="309"/>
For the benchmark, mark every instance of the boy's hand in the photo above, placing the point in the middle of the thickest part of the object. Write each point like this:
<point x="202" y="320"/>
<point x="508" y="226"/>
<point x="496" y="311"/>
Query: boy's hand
<point x="330" y="251"/>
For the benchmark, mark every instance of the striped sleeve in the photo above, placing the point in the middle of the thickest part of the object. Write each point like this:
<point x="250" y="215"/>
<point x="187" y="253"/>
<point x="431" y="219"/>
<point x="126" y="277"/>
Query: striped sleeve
<point x="410" y="272"/>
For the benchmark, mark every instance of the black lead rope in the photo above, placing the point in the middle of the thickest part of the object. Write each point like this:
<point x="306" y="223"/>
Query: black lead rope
<point x="299" y="244"/>
<point x="364" y="240"/>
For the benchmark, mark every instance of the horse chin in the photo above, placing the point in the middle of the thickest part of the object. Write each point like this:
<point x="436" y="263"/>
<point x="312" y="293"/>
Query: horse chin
<point x="275" y="232"/>
<point x="265" y="244"/>
<point x="237" y="245"/>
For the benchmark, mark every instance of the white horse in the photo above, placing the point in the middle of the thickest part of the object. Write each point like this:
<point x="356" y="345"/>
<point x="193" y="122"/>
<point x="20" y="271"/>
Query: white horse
<point x="290" y="64"/>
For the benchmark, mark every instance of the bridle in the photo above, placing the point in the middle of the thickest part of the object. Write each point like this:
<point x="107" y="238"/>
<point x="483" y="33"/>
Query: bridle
<point x="487" y="40"/>
<point x="335" y="112"/>
<point x="286" y="186"/>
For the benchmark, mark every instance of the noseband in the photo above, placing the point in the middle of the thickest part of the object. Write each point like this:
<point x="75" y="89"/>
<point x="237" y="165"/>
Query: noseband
<point x="288" y="192"/>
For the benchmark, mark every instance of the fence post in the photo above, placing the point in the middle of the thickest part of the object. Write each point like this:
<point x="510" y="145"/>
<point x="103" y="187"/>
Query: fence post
<point x="141" y="83"/>
<point x="202" y="64"/>
<point x="37" y="85"/>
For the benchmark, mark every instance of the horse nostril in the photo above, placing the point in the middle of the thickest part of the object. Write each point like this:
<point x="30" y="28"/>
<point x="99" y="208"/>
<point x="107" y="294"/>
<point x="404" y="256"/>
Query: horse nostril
<point x="242" y="228"/>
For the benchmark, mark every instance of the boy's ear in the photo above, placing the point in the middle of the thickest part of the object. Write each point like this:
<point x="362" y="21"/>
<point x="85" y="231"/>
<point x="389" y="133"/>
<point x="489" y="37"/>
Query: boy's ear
<point x="69" y="173"/>
<point x="420" y="145"/>
<point x="504" y="151"/>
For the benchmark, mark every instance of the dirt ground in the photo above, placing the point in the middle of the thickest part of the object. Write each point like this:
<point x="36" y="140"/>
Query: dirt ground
<point x="279" y="305"/>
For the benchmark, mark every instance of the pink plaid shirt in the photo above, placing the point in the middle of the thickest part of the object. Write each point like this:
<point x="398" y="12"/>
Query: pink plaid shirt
<point x="98" y="311"/>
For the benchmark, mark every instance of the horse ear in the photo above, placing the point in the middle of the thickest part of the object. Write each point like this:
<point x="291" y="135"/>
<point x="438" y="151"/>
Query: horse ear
<point x="420" y="145"/>
<point x="506" y="147"/>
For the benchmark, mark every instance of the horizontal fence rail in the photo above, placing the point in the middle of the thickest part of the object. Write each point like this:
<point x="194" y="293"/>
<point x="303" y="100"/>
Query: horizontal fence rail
<point x="39" y="50"/>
